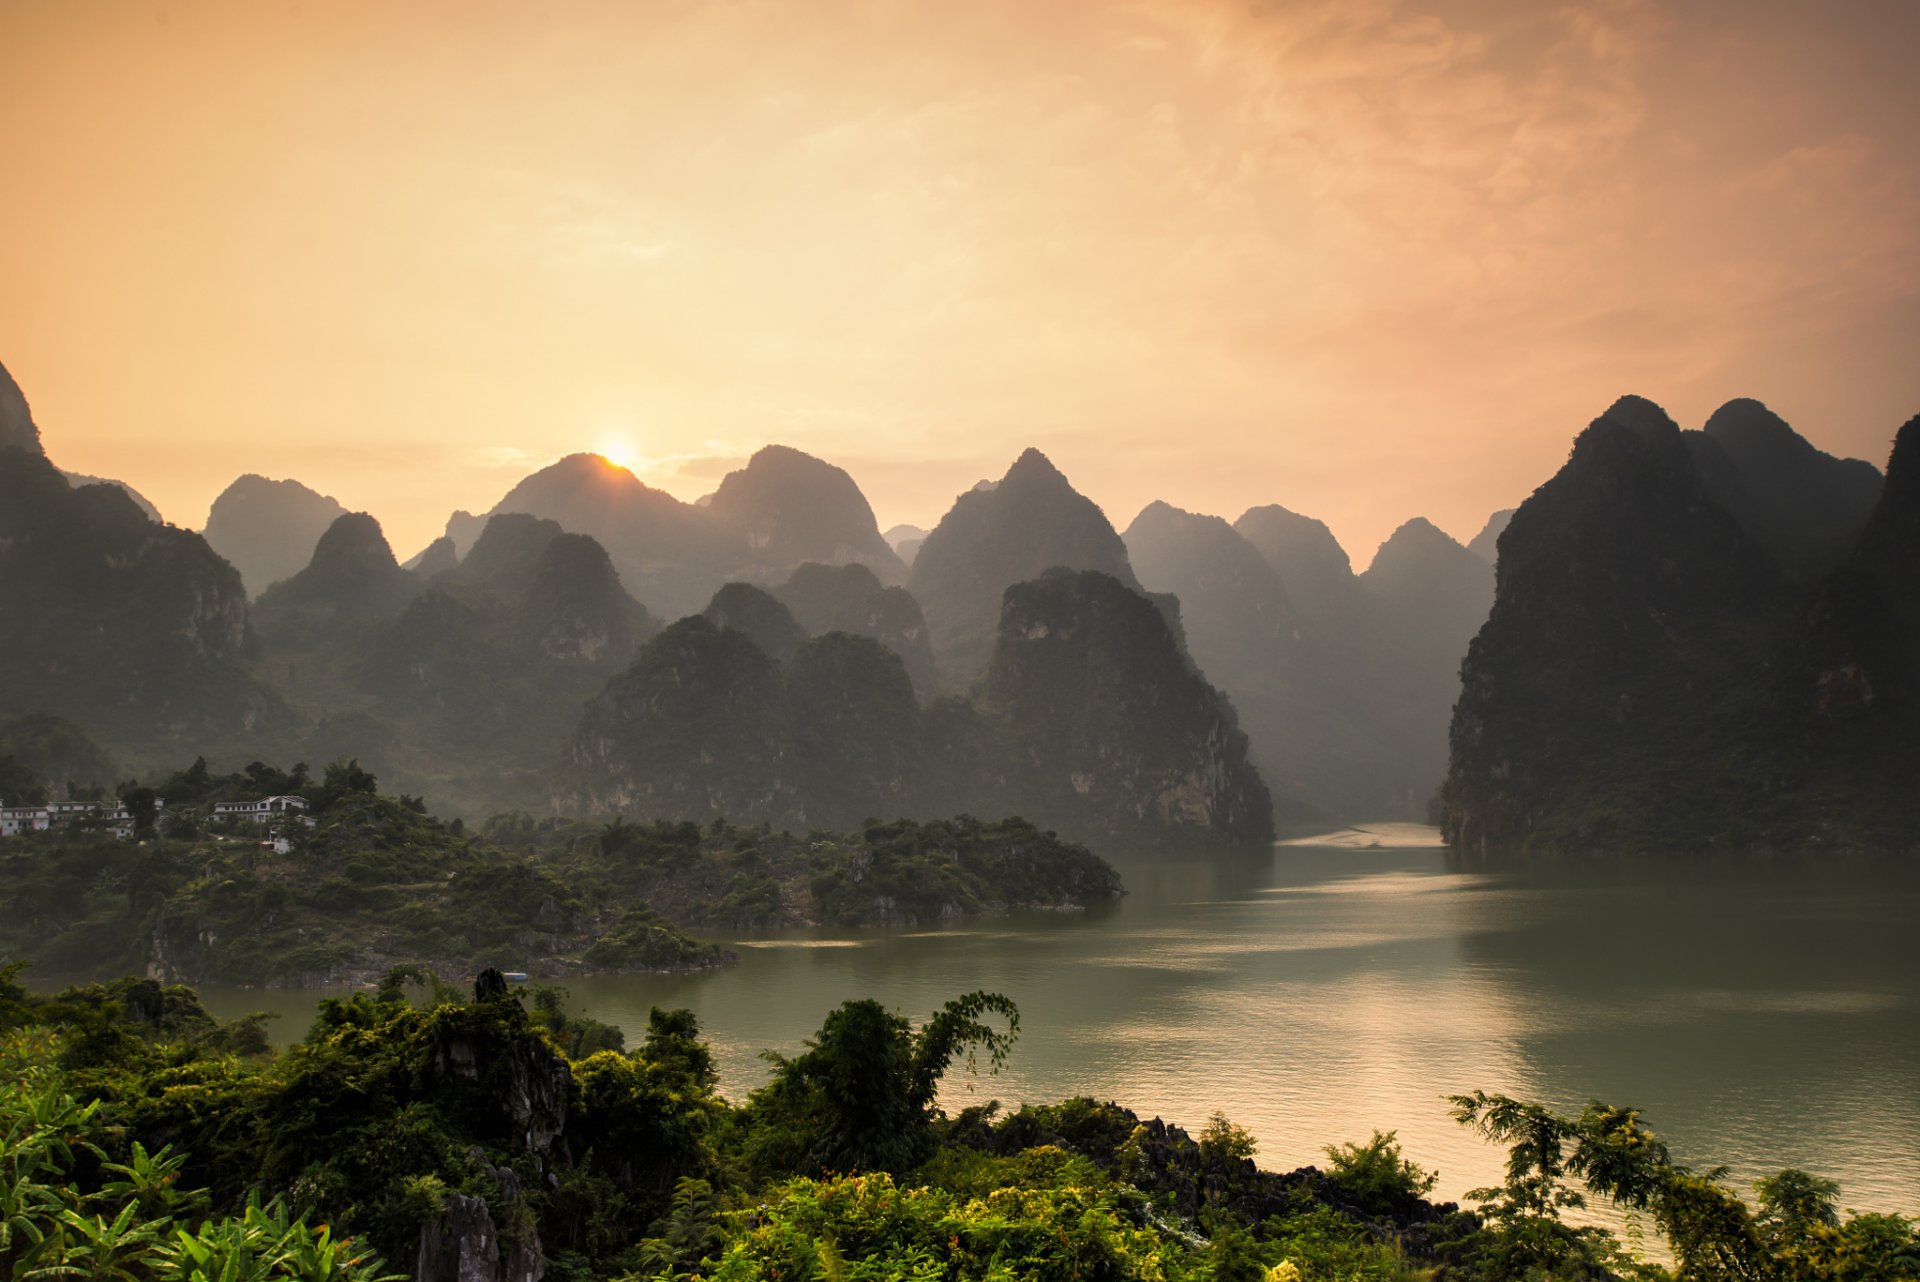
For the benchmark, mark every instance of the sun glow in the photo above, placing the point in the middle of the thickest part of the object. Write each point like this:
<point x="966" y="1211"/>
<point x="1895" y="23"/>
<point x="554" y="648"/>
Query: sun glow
<point x="619" y="453"/>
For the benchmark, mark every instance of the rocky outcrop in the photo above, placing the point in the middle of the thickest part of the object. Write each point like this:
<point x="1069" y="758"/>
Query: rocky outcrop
<point x="998" y="535"/>
<point x="1626" y="691"/>
<point x="1115" y="734"/>
<point x="268" y="529"/>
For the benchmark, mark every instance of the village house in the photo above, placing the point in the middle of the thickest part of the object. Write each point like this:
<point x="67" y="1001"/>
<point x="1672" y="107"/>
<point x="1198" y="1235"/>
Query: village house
<point x="15" y="820"/>
<point x="264" y="808"/>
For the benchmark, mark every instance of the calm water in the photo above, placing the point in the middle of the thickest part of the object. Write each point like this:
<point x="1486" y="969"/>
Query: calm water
<point x="1761" y="1017"/>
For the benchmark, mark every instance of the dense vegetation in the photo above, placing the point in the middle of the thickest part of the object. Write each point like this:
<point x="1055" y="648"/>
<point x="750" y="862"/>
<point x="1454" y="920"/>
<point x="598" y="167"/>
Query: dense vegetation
<point x="376" y="881"/>
<point x="411" y="1131"/>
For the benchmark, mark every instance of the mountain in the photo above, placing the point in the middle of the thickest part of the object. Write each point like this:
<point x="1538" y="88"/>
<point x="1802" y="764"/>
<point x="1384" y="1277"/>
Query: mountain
<point x="905" y="540"/>
<point x="1344" y="682"/>
<point x="669" y="554"/>
<point x="136" y="630"/>
<point x="782" y="509"/>
<point x="1115" y="735"/>
<point x="460" y="683"/>
<point x="851" y="598"/>
<point x="1091" y="721"/>
<point x="994" y="536"/>
<point x="267" y="529"/>
<point x="1802" y="505"/>
<point x="696" y="727"/>
<point x="1311" y="563"/>
<point x="18" y="431"/>
<point x="141" y="501"/>
<point x="1624" y="690"/>
<point x="350" y="581"/>
<point x="1486" y="544"/>
<point x="760" y="616"/>
<point x="785" y="508"/>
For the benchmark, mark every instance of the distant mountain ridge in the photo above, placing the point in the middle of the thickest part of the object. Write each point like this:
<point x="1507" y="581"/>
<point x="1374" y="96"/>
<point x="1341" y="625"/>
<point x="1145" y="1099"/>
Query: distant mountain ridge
<point x="267" y="529"/>
<point x="1091" y="721"/>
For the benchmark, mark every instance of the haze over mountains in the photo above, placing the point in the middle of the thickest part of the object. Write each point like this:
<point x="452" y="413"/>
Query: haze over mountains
<point x="1193" y="677"/>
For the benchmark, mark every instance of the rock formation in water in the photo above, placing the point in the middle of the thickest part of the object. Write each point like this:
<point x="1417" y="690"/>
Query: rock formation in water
<point x="995" y="536"/>
<point x="1635" y="686"/>
<point x="851" y="598"/>
<point x="1114" y="732"/>
<point x="268" y="529"/>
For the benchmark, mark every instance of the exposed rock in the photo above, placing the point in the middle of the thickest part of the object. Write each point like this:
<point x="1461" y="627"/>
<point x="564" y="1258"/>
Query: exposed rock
<point x="269" y="529"/>
<point x="1116" y="735"/>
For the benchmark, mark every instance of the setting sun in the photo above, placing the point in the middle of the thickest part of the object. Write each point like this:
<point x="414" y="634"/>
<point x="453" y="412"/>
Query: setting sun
<point x="620" y="453"/>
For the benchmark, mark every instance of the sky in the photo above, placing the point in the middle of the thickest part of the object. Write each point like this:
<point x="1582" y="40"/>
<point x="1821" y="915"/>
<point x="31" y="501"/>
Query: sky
<point x="1364" y="258"/>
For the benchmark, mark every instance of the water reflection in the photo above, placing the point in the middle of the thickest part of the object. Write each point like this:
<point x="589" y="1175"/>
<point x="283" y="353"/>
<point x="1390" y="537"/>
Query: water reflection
<point x="1761" y="1016"/>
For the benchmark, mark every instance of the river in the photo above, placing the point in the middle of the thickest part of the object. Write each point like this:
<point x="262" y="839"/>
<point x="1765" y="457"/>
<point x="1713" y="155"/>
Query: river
<point x="1761" y="1016"/>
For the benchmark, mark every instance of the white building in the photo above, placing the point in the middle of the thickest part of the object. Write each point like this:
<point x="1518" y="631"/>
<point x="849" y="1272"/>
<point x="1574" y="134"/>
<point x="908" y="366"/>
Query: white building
<point x="264" y="808"/>
<point x="15" y="820"/>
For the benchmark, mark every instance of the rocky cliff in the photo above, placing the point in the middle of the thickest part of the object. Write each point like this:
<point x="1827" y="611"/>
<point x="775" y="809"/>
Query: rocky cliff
<point x="1645" y="679"/>
<point x="785" y="508"/>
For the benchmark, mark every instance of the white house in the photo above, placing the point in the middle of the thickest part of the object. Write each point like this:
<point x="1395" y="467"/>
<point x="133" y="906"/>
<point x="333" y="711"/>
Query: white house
<point x="15" y="820"/>
<point x="264" y="808"/>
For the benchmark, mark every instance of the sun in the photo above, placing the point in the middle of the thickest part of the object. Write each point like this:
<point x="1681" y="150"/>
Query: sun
<point x="620" y="453"/>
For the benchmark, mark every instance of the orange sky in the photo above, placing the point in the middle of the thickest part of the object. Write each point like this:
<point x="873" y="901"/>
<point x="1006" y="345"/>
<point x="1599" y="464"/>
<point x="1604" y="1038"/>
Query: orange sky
<point x="1365" y="258"/>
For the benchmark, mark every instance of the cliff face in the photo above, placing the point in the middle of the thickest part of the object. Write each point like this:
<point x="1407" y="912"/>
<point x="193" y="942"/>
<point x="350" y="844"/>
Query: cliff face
<point x="1623" y="691"/>
<point x="1115" y="732"/>
<point x="135" y="630"/>
<point x="1092" y="722"/>
<point x="999" y="535"/>
<point x="268" y="529"/>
